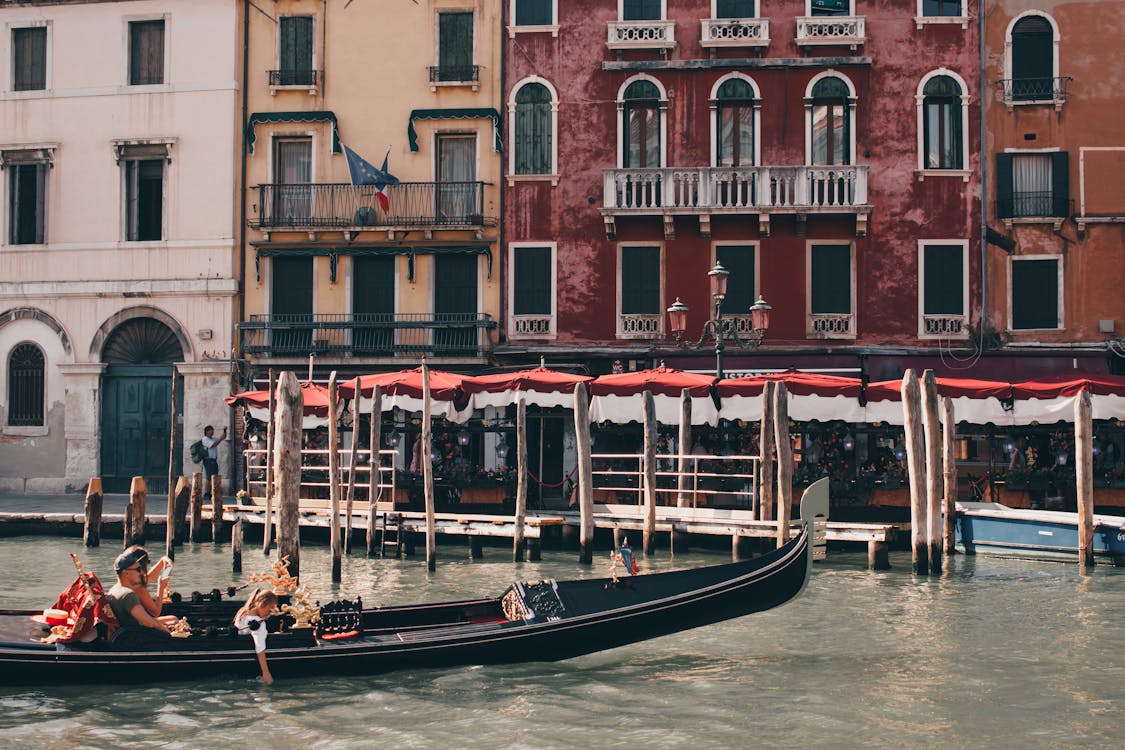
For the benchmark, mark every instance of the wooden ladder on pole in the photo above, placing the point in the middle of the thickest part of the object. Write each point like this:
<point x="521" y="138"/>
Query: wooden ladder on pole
<point x="390" y="529"/>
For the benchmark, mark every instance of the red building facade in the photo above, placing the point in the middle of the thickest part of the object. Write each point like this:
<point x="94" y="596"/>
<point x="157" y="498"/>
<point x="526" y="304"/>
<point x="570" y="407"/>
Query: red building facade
<point x="826" y="152"/>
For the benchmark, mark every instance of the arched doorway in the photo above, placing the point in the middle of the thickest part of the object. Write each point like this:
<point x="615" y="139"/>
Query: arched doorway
<point x="136" y="404"/>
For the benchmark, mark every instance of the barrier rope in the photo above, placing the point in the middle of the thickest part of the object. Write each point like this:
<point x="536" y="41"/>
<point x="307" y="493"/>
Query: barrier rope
<point x="540" y="482"/>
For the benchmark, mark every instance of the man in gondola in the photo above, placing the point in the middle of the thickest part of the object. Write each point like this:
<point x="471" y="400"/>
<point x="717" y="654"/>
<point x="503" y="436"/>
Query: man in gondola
<point x="129" y="598"/>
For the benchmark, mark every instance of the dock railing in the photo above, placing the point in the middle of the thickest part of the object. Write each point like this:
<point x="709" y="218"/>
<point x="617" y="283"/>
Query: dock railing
<point x="315" y="486"/>
<point x="711" y="480"/>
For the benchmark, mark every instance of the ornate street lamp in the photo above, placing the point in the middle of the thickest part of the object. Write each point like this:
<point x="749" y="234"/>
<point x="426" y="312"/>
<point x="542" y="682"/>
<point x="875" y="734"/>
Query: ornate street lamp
<point x="717" y="328"/>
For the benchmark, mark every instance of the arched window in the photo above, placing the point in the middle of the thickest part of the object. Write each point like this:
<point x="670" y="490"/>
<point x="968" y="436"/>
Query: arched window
<point x="532" y="136"/>
<point x="640" y="120"/>
<point x="26" y="384"/>
<point x="942" y="136"/>
<point x="734" y="124"/>
<point x="1033" y="59"/>
<point x="830" y="122"/>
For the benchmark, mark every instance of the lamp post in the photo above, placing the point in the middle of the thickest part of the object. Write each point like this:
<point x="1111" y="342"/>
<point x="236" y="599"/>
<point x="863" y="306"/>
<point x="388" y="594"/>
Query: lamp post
<point x="718" y="328"/>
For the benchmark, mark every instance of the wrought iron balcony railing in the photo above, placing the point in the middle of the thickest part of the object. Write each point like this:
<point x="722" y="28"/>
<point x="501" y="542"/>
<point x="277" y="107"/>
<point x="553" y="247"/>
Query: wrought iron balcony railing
<point x="1033" y="204"/>
<point x="295" y="78"/>
<point x="735" y="32"/>
<point x="454" y="73"/>
<point x="1034" y="89"/>
<point x="734" y="189"/>
<point x="341" y="205"/>
<point x="367" y="335"/>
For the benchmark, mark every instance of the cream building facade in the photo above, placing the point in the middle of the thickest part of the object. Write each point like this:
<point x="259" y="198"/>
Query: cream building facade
<point x="118" y="260"/>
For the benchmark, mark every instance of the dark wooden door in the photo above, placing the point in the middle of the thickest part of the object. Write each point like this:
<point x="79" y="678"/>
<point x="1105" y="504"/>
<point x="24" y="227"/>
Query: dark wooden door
<point x="455" y="301"/>
<point x="136" y="425"/>
<point x="291" y="303"/>
<point x="373" y="304"/>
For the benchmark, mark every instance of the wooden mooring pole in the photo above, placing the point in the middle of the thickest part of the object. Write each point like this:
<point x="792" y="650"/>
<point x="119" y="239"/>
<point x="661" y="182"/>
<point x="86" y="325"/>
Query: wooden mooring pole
<point x="92" y="530"/>
<point x="216" y="508"/>
<point x="765" y="474"/>
<point x="183" y="500"/>
<point x="648" y="414"/>
<point x="1084" y="471"/>
<point x="267" y="527"/>
<point x="931" y="425"/>
<point x="519" y="544"/>
<point x="684" y="482"/>
<point x="195" y="528"/>
<point x="349" y="497"/>
<point x="170" y="511"/>
<point x="949" y="462"/>
<point x="428" y="469"/>
<point x="287" y="469"/>
<point x="784" y="462"/>
<point x="135" y="517"/>
<point x="236" y="545"/>
<point x="585" y="475"/>
<point x="373" y="489"/>
<point x="333" y="479"/>
<point x="915" y="460"/>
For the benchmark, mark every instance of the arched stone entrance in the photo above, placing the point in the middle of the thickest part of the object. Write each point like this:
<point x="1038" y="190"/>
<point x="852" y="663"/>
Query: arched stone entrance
<point x="136" y="404"/>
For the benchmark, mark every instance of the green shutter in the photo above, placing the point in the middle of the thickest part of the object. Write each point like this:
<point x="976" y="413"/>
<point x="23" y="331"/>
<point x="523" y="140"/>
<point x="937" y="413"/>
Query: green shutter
<point x="1035" y="294"/>
<point x="455" y="41"/>
<point x="831" y="279"/>
<point x="739" y="261"/>
<point x="533" y="12"/>
<point x="1005" y="208"/>
<point x="29" y="59"/>
<point x="533" y="130"/>
<point x="735" y="9"/>
<point x="944" y="285"/>
<point x="532" y="294"/>
<point x="1060" y="184"/>
<point x="373" y="285"/>
<point x="642" y="10"/>
<point x="455" y="284"/>
<point x="296" y="48"/>
<point x="640" y="280"/>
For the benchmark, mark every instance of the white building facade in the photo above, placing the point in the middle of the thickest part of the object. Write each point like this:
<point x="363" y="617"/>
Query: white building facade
<point x="119" y="156"/>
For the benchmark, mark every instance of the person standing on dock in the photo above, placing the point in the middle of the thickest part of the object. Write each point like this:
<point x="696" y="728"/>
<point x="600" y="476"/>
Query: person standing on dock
<point x="211" y="462"/>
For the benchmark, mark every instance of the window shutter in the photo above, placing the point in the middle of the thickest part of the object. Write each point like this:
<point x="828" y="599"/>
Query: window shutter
<point x="1060" y="184"/>
<point x="1004" y="203"/>
<point x="455" y="41"/>
<point x="1035" y="294"/>
<point x="943" y="292"/>
<point x="532" y="294"/>
<point x="739" y="260"/>
<point x="735" y="9"/>
<point x="29" y="59"/>
<point x="296" y="47"/>
<point x="831" y="279"/>
<point x="373" y="284"/>
<point x="642" y="10"/>
<point x="533" y="12"/>
<point x="640" y="280"/>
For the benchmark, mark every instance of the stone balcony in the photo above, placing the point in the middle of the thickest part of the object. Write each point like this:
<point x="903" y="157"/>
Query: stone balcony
<point x="847" y="31"/>
<point x="641" y="35"/>
<point x="735" y="32"/>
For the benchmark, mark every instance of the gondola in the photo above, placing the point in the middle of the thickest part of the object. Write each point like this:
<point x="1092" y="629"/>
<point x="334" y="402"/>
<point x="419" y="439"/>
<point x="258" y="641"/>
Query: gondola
<point x="531" y="621"/>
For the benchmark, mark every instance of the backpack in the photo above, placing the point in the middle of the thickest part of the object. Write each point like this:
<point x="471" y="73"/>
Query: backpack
<point x="198" y="452"/>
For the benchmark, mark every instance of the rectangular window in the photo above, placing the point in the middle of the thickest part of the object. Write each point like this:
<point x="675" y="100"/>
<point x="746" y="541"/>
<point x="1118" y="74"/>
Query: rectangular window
<point x="1032" y="184"/>
<point x="941" y="7"/>
<point x="146" y="53"/>
<point x="943" y="268"/>
<point x="534" y="12"/>
<point x="291" y="304"/>
<point x="831" y="280"/>
<point x="373" y="304"/>
<point x="144" y="200"/>
<point x="457" y="187"/>
<point x="455" y="47"/>
<point x="455" y="305"/>
<point x="830" y="7"/>
<point x="29" y="59"/>
<point x="292" y="175"/>
<point x="295" y="51"/>
<point x="738" y="260"/>
<point x="830" y="138"/>
<point x="26" y="195"/>
<point x="736" y="9"/>
<point x="1035" y="293"/>
<point x="642" y="10"/>
<point x="531" y="284"/>
<point x="640" y="280"/>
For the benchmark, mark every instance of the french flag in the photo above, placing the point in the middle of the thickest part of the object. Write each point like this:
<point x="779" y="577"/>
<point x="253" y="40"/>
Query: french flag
<point x="362" y="172"/>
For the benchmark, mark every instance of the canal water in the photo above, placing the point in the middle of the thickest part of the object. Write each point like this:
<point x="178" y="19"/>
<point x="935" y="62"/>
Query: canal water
<point x="995" y="653"/>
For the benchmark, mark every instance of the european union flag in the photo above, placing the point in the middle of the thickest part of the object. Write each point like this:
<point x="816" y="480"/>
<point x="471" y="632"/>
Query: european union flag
<point x="362" y="172"/>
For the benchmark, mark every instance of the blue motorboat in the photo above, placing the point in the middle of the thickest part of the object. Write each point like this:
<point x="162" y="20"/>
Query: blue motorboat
<point x="995" y="529"/>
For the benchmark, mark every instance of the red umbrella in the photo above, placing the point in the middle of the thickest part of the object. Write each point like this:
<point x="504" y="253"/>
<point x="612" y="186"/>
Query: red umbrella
<point x="403" y="389"/>
<point x="617" y="398"/>
<point x="313" y="396"/>
<point x="811" y="396"/>
<point x="538" y="386"/>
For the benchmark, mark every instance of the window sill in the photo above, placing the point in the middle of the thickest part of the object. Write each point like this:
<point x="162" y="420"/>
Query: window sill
<point x="964" y="174"/>
<point x="513" y="30"/>
<point x="144" y="244"/>
<point x="312" y="90"/>
<point x="920" y="21"/>
<point x="1012" y="103"/>
<point x="146" y="88"/>
<point x="24" y="431"/>
<point x="435" y="85"/>
<point x="27" y="94"/>
<point x="1056" y="221"/>
<point x="552" y="178"/>
<point x="28" y="247"/>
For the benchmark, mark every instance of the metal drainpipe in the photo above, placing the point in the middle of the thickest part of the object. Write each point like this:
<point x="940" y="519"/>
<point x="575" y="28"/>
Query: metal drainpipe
<point x="983" y="180"/>
<point x="502" y="259"/>
<point x="240" y="295"/>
